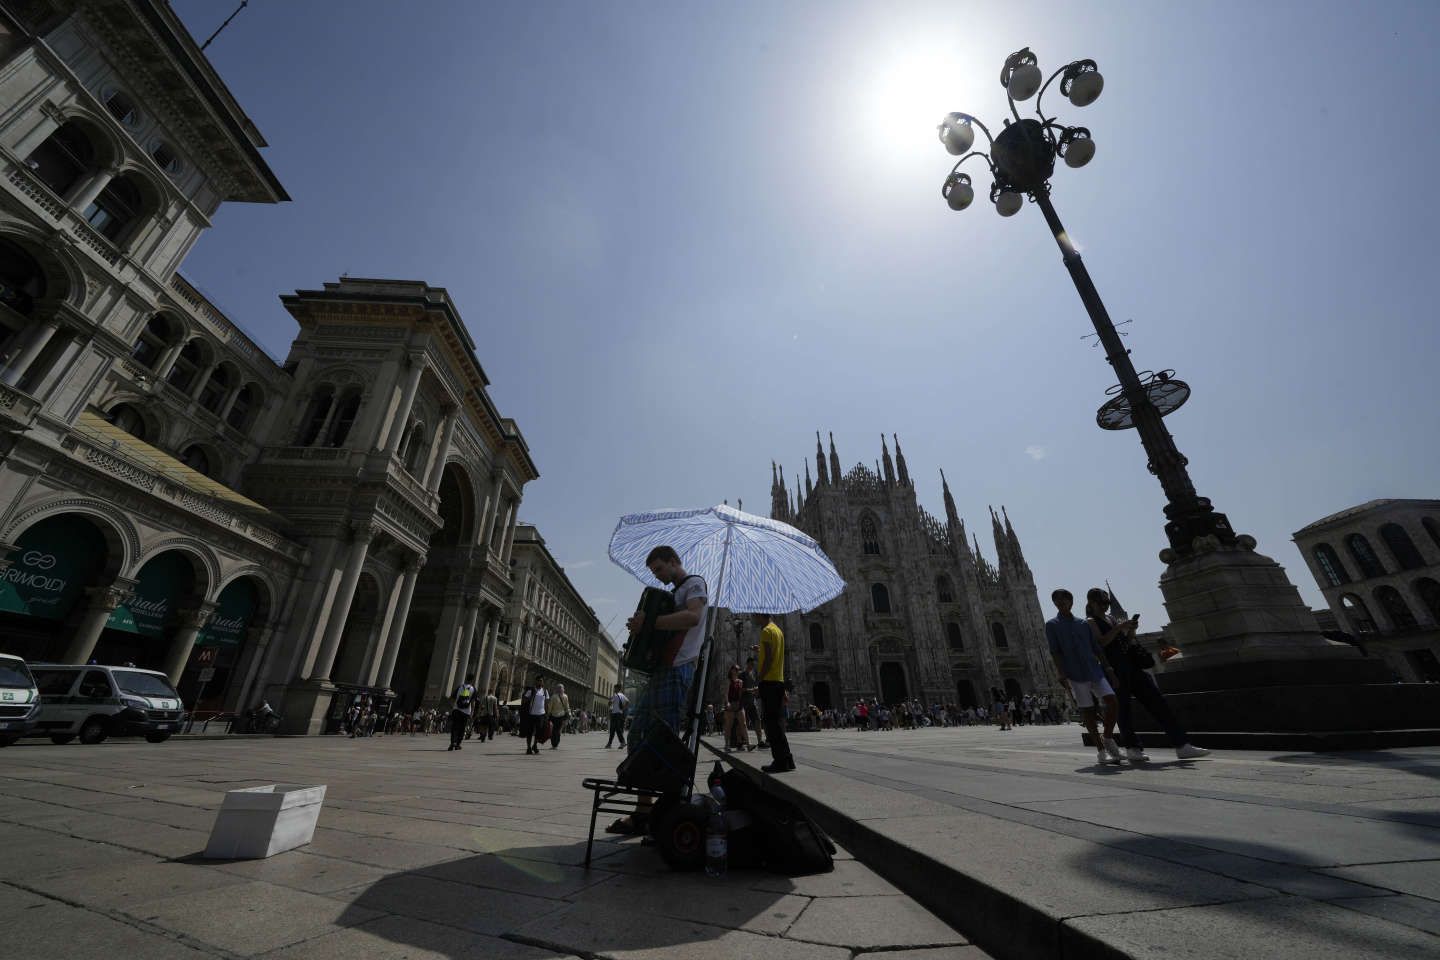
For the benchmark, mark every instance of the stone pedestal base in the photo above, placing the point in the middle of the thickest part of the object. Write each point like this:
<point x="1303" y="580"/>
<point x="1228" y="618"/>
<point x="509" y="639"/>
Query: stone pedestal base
<point x="305" y="707"/>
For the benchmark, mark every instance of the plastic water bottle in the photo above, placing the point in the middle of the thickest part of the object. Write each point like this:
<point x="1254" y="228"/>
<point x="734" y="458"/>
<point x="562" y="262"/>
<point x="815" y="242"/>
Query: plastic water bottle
<point x="717" y="840"/>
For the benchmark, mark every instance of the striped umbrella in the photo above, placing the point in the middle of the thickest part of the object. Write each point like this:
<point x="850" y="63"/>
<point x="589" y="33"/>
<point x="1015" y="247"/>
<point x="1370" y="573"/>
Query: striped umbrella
<point x="750" y="564"/>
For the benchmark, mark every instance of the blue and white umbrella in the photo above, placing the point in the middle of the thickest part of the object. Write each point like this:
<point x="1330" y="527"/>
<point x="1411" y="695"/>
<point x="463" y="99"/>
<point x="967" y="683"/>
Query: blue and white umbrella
<point x="750" y="564"/>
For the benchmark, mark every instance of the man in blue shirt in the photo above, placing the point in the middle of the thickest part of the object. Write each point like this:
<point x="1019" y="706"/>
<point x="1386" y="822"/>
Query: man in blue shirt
<point x="1081" y="662"/>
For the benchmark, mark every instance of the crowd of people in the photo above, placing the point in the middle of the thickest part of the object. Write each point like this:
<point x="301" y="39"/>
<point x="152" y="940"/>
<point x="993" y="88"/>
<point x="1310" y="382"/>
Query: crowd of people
<point x="371" y="715"/>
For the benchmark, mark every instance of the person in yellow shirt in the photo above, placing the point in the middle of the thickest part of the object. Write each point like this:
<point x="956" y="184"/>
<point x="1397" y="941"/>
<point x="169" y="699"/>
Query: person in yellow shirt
<point x="772" y="693"/>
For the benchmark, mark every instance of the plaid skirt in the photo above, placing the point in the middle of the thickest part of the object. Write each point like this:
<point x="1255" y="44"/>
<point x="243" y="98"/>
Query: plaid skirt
<point x="663" y="700"/>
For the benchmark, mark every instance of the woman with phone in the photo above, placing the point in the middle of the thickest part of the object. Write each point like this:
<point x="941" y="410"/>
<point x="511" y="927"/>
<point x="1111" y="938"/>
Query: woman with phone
<point x="1131" y="664"/>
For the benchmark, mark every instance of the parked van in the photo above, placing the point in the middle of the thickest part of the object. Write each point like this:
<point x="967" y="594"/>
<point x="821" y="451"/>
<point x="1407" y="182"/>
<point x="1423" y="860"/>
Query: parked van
<point x="19" y="700"/>
<point x="95" y="702"/>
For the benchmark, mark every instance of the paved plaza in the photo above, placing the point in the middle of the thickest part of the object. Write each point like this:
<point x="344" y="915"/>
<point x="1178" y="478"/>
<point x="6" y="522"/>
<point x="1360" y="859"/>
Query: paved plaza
<point x="1027" y="846"/>
<point x="419" y="853"/>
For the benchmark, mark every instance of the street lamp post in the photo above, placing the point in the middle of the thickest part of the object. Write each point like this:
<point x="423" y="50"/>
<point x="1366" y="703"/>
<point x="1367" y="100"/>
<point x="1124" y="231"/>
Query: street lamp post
<point x="1022" y="160"/>
<point x="738" y="623"/>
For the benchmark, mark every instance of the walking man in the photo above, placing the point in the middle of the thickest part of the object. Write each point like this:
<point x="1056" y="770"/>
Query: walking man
<point x="1080" y="660"/>
<point x="618" y="703"/>
<point x="460" y="714"/>
<point x="489" y="716"/>
<point x="772" y="694"/>
<point x="539" y="702"/>
<point x="558" y="710"/>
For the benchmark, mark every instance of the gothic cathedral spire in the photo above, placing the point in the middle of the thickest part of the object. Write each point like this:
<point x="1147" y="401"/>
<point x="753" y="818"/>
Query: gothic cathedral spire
<point x="951" y="514"/>
<point x="834" y="462"/>
<point x="900" y="463"/>
<point x="809" y="490"/>
<point x="889" y="464"/>
<point x="820" y="472"/>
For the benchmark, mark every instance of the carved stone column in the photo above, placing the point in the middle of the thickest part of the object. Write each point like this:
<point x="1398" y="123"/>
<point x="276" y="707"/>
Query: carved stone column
<point x="179" y="653"/>
<point x="396" y="635"/>
<point x="103" y="601"/>
<point x="340" y="608"/>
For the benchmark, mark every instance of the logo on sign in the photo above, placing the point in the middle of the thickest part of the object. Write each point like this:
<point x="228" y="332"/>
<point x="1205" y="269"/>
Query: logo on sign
<point x="38" y="560"/>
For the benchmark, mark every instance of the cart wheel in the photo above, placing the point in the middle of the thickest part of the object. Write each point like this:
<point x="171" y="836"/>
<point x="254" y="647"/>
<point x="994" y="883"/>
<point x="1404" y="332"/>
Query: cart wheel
<point x="680" y="833"/>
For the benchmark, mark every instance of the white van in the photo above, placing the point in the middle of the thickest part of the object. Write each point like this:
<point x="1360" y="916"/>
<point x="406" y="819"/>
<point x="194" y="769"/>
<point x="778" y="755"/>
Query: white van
<point x="95" y="702"/>
<point x="19" y="700"/>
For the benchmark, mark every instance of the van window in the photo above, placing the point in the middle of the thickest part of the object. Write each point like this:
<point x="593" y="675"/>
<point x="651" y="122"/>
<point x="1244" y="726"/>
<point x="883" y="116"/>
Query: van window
<point x="54" y="683"/>
<point x="95" y="686"/>
<point x="14" y="674"/>
<point x="145" y="684"/>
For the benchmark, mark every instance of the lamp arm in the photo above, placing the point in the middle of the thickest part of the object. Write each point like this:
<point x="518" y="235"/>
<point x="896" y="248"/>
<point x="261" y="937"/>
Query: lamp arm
<point x="1041" y="95"/>
<point x="983" y="129"/>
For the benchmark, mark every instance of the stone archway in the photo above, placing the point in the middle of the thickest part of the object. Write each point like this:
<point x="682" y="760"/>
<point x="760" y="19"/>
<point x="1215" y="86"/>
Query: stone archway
<point x="893" y="686"/>
<point x="142" y="629"/>
<point x="820" y="695"/>
<point x="43" y="597"/>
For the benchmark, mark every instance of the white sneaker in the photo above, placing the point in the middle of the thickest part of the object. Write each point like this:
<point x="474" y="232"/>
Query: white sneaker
<point x="1188" y="751"/>
<point x="1113" y="748"/>
<point x="1101" y="757"/>
<point x="1136" y="755"/>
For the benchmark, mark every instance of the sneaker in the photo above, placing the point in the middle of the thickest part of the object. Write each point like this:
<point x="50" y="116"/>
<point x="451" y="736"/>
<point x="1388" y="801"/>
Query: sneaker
<point x="1113" y="748"/>
<point x="1188" y="751"/>
<point x="1102" y="758"/>
<point x="1136" y="755"/>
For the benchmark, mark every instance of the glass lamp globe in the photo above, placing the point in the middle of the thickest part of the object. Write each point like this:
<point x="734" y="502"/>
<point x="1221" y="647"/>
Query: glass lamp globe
<point x="1008" y="203"/>
<point x="1079" y="153"/>
<point x="957" y="134"/>
<point x="1024" y="81"/>
<point x="1085" y="89"/>
<point x="960" y="196"/>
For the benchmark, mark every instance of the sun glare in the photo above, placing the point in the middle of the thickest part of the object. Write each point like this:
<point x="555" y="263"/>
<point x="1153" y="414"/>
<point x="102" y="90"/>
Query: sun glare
<point x="908" y="89"/>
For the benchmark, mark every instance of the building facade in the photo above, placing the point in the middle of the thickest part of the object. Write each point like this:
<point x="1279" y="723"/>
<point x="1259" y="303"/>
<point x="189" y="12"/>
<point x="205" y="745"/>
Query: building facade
<point x="1378" y="567"/>
<point x="924" y="614"/>
<point x="172" y="496"/>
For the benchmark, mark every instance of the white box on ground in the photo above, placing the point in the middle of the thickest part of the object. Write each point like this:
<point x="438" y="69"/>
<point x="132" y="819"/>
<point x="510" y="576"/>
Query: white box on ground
<point x="259" y="822"/>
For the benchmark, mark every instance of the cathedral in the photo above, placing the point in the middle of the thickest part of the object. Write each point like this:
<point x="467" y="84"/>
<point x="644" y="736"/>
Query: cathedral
<point x="924" y="614"/>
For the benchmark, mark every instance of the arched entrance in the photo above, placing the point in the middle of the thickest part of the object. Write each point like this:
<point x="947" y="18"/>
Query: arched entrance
<point x="965" y="694"/>
<point x="413" y="664"/>
<point x="820" y="695"/>
<point x="42" y="594"/>
<point x="1012" y="688"/>
<point x="893" y="688"/>
<point x="140" y="630"/>
<point x="219" y="646"/>
<point x="457" y="509"/>
<point x="361" y="622"/>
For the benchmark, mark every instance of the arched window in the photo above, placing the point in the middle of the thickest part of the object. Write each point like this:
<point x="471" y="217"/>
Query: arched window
<point x="1429" y="593"/>
<point x="116" y="208"/>
<point x="1330" y="565"/>
<point x="165" y="158"/>
<point x="944" y="592"/>
<point x="63" y="159"/>
<point x="247" y="402"/>
<point x="414" y="448"/>
<point x="127" y="418"/>
<point x="122" y="108"/>
<point x="997" y="630"/>
<point x="1432" y="528"/>
<point x="217" y="388"/>
<point x="344" y="418"/>
<point x="952" y="634"/>
<point x="21" y="284"/>
<point x="196" y="459"/>
<point x="315" y="414"/>
<point x="1401" y="547"/>
<point x="1365" y="558"/>
<point x="187" y="366"/>
<point x="869" y="536"/>
<point x="817" y="639"/>
<point x="880" y="598"/>
<point x="159" y="333"/>
<point x="1357" y="613"/>
<point x="1395" y="608"/>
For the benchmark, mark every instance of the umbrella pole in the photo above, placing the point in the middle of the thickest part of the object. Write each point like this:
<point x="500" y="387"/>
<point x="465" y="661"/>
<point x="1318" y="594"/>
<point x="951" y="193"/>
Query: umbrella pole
<point x="702" y="675"/>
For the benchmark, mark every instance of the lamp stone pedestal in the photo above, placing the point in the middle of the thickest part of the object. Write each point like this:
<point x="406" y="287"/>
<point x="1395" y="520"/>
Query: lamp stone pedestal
<point x="1256" y="672"/>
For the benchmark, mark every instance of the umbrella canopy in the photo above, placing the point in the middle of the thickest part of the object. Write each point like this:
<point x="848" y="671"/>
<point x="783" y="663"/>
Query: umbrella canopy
<point x="750" y="564"/>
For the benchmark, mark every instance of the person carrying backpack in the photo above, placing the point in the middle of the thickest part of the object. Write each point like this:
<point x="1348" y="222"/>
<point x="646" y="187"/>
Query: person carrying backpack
<point x="464" y="702"/>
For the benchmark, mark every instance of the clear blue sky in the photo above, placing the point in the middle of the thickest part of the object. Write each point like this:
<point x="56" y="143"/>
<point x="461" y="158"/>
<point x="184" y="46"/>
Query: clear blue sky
<point x="685" y="236"/>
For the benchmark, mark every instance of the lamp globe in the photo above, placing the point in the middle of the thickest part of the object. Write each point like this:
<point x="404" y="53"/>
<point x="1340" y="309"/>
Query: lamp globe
<point x="1085" y="88"/>
<point x="1008" y="203"/>
<point x="1079" y="152"/>
<point x="1024" y="81"/>
<point x="957" y="134"/>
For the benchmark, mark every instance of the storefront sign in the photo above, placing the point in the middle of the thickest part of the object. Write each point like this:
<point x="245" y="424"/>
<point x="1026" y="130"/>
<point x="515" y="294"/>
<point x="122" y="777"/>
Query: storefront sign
<point x="163" y="583"/>
<point x="234" y="609"/>
<point x="54" y="562"/>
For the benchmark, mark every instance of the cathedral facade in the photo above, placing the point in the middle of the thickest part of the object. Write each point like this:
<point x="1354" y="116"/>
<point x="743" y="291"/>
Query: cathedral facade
<point x="924" y="614"/>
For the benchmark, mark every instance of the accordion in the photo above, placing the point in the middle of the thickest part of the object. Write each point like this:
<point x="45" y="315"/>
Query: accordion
<point x="650" y="648"/>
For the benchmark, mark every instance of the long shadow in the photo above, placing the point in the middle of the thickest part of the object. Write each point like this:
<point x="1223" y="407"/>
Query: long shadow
<point x="1359" y="758"/>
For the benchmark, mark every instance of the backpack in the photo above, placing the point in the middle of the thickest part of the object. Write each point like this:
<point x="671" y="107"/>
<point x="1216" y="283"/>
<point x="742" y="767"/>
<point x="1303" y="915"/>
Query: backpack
<point x="781" y="838"/>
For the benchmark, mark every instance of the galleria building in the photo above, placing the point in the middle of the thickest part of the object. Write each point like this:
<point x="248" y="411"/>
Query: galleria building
<point x="924" y="615"/>
<point x="173" y="497"/>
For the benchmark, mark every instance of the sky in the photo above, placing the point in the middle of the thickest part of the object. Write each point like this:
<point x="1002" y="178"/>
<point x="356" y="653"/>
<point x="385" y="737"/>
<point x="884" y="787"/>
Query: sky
<point x="686" y="236"/>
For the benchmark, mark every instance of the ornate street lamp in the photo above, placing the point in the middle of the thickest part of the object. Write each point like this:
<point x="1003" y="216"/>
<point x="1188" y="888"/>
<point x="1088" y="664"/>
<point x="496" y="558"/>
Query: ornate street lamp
<point x="1021" y="161"/>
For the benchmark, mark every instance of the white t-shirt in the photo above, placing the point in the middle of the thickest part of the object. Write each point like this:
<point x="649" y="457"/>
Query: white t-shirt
<point x="690" y="648"/>
<point x="618" y="703"/>
<point x="537" y="703"/>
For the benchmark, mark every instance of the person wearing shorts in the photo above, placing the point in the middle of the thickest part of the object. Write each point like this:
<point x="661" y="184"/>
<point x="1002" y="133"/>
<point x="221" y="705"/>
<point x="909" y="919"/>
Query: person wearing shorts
<point x="1081" y="662"/>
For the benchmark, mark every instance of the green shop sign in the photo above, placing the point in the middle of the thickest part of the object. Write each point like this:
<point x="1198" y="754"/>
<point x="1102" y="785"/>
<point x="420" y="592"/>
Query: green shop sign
<point x="162" y="584"/>
<point x="233" y="611"/>
<point x="54" y="561"/>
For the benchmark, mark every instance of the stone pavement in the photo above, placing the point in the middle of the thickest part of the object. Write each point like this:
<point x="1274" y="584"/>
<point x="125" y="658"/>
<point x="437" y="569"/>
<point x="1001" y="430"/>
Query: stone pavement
<point x="419" y="853"/>
<point x="1028" y="847"/>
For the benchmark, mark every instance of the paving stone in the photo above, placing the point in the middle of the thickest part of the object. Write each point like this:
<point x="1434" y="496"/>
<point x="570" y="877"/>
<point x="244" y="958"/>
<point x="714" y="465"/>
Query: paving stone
<point x="452" y="904"/>
<point x="46" y="853"/>
<point x="304" y="871"/>
<point x="592" y="931"/>
<point x="848" y="879"/>
<point x="250" y="917"/>
<point x="75" y="933"/>
<point x="1285" y="928"/>
<point x="405" y="938"/>
<point x="16" y="903"/>
<point x="131" y="884"/>
<point x="1283" y="877"/>
<point x="723" y="902"/>
<point x="935" y="953"/>
<point x="379" y="851"/>
<point x="871" y="922"/>
<point x="1420" y="877"/>
<point x="536" y="878"/>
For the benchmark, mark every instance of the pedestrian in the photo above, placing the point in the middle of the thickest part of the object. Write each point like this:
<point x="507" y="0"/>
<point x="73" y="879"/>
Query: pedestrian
<point x="749" y="701"/>
<point x="618" y="704"/>
<point x="489" y="718"/>
<point x="772" y="694"/>
<point x="668" y="691"/>
<point x="557" y="709"/>
<point x="1127" y="661"/>
<point x="463" y="703"/>
<point x="737" y="736"/>
<point x="1080" y="661"/>
<point x="533" y="713"/>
